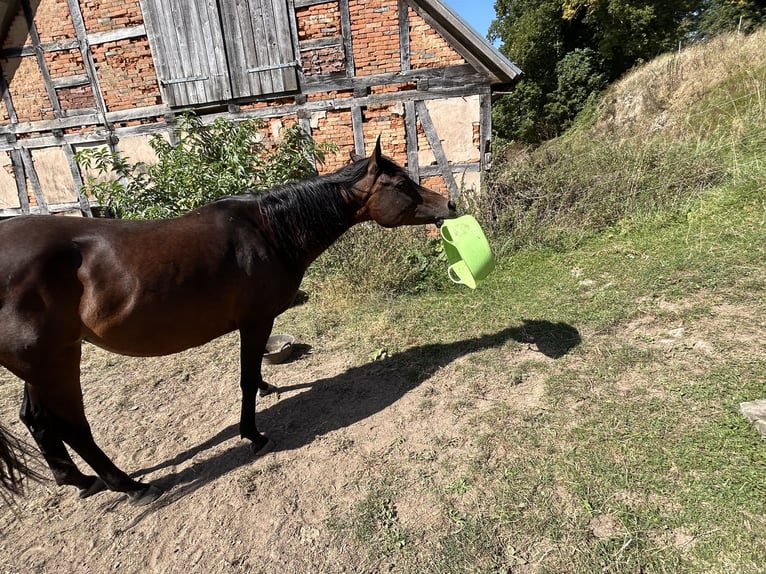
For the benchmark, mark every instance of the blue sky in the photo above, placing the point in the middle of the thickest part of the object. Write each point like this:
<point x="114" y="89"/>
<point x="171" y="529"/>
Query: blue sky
<point x="478" y="13"/>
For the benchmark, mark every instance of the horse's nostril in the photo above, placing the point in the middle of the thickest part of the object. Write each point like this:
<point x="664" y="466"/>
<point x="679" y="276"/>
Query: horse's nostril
<point x="451" y="206"/>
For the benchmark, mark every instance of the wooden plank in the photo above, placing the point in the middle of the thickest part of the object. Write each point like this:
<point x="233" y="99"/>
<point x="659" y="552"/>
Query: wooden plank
<point x="8" y="101"/>
<point x="260" y="47"/>
<point x="71" y="81"/>
<point x="308" y="3"/>
<point x="213" y="52"/>
<point x="436" y="147"/>
<point x="411" y="136"/>
<point x="436" y="170"/>
<point x="485" y="129"/>
<point x="74" y="168"/>
<point x="318" y="43"/>
<point x="21" y="181"/>
<point x="293" y="20"/>
<point x="31" y="173"/>
<point x="404" y="35"/>
<point x="187" y="46"/>
<point x="357" y="122"/>
<point x="87" y="58"/>
<point x="284" y="45"/>
<point x="117" y="35"/>
<point x="345" y="27"/>
<point x="450" y="76"/>
<point x="240" y="29"/>
<point x="46" y="47"/>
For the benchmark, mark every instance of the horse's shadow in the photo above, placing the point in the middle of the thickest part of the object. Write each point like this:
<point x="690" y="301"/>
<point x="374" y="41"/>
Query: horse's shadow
<point x="337" y="402"/>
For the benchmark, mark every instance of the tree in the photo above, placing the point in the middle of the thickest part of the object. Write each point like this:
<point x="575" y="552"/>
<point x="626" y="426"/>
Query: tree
<point x="720" y="16"/>
<point x="570" y="49"/>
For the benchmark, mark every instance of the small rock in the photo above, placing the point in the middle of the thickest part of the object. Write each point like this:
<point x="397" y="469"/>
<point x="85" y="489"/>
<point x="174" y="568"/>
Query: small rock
<point x="755" y="411"/>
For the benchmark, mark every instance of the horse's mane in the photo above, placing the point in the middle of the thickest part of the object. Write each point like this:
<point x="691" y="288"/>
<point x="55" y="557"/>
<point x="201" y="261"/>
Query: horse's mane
<point x="308" y="212"/>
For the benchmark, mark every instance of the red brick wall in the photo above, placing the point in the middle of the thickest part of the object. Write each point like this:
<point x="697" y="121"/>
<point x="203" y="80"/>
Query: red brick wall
<point x="319" y="21"/>
<point x="375" y="34"/>
<point x="27" y="89"/>
<point x="126" y="74"/>
<point x="428" y="49"/>
<point x="106" y="15"/>
<point x="52" y="21"/>
<point x="335" y="127"/>
<point x="316" y="22"/>
<point x="76" y="97"/>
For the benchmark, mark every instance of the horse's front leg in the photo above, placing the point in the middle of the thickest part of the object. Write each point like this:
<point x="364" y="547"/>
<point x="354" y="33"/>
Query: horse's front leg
<point x="252" y="346"/>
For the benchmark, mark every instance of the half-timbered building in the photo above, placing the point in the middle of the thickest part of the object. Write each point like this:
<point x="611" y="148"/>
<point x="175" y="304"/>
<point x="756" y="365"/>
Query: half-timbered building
<point x="79" y="73"/>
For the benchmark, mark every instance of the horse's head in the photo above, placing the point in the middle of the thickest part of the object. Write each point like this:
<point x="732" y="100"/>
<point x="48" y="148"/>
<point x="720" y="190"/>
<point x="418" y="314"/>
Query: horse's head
<point x="391" y="198"/>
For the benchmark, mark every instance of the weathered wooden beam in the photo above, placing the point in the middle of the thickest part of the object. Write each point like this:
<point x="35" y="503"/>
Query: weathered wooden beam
<point x="17" y="163"/>
<point x="74" y="169"/>
<point x="78" y="23"/>
<point x="94" y="38"/>
<point x="411" y="137"/>
<point x="8" y="101"/>
<point x="71" y="81"/>
<point x="357" y="122"/>
<point x="464" y="167"/>
<point x="348" y="43"/>
<point x="104" y="130"/>
<point x="404" y="35"/>
<point x="485" y="129"/>
<point x="436" y="147"/>
<point x="318" y="43"/>
<point x="449" y="76"/>
<point x="34" y="180"/>
<point x="46" y="47"/>
<point x="308" y="3"/>
<point x="117" y="35"/>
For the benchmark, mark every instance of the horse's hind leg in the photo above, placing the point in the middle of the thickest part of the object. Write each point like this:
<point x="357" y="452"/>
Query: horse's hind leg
<point x="64" y="470"/>
<point x="57" y="394"/>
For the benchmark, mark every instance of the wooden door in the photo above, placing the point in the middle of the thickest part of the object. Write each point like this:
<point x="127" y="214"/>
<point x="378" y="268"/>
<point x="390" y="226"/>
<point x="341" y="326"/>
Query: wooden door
<point x="188" y="50"/>
<point x="259" y="46"/>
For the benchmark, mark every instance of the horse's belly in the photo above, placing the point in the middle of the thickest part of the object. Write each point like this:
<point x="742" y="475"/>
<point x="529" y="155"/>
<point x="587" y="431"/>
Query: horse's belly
<point x="134" y="340"/>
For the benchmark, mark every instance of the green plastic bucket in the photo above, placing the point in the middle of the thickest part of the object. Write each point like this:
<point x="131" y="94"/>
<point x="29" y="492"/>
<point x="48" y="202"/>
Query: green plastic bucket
<point x="468" y="253"/>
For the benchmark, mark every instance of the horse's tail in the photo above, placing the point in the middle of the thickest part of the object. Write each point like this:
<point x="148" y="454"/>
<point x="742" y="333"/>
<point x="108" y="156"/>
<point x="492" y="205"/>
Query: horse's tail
<point x="14" y="466"/>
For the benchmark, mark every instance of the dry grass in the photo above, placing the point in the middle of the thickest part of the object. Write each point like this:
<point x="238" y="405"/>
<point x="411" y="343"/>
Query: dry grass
<point x="659" y="95"/>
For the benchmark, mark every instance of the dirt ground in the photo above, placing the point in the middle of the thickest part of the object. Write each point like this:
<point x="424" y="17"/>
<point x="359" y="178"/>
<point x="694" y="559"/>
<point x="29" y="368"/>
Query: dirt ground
<point x="337" y="426"/>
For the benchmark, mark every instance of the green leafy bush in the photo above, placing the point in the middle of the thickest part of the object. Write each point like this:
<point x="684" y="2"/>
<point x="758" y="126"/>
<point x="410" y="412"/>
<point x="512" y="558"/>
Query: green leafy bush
<point x="206" y="162"/>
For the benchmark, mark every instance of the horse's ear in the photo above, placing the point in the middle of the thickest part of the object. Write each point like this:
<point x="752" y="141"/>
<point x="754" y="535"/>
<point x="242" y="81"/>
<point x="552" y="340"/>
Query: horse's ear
<point x="354" y="156"/>
<point x="375" y="159"/>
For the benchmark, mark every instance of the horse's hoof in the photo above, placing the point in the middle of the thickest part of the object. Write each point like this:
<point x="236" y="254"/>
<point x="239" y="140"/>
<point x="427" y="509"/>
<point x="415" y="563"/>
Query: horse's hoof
<point x="96" y="486"/>
<point x="268" y="390"/>
<point x="145" y="495"/>
<point x="265" y="448"/>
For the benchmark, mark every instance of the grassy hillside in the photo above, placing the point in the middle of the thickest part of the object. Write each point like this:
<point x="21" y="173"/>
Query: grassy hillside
<point x="682" y="124"/>
<point x="593" y="381"/>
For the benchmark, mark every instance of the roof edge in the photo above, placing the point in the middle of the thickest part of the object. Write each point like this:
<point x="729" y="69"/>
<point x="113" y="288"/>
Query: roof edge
<point x="503" y="69"/>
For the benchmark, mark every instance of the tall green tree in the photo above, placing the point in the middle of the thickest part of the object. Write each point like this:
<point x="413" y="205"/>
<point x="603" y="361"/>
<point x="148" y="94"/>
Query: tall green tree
<point x="729" y="15"/>
<point x="571" y="49"/>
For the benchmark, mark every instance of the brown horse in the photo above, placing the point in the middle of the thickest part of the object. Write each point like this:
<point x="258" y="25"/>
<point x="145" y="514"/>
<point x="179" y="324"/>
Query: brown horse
<point x="149" y="288"/>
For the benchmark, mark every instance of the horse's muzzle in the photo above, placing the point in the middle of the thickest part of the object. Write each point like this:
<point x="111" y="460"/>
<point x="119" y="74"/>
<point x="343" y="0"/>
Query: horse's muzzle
<point x="452" y="213"/>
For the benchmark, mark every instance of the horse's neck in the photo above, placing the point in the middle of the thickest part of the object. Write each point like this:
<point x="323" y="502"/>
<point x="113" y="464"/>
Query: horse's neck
<point x="304" y="227"/>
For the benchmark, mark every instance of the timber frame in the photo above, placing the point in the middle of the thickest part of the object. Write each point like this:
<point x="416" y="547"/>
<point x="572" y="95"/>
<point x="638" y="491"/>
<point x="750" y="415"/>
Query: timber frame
<point x="482" y="71"/>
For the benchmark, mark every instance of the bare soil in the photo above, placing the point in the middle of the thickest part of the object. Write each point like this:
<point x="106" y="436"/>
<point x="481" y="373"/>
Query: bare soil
<point x="338" y="426"/>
